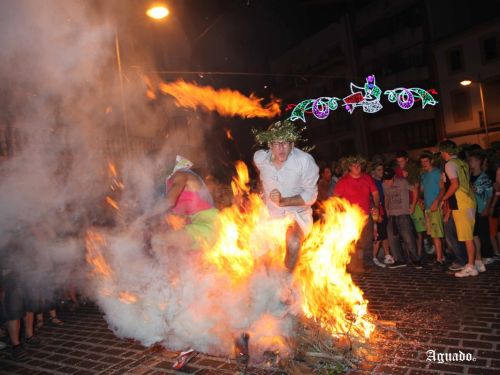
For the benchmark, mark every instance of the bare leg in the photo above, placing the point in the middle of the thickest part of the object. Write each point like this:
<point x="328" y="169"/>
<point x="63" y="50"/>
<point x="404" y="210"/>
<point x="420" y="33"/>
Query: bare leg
<point x="294" y="238"/>
<point x="28" y="324"/>
<point x="471" y="252"/>
<point x="477" y="243"/>
<point x="385" y="245"/>
<point x="420" y="243"/>
<point x="14" y="327"/>
<point x="376" y="247"/>
<point x="438" y="245"/>
<point x="494" y="243"/>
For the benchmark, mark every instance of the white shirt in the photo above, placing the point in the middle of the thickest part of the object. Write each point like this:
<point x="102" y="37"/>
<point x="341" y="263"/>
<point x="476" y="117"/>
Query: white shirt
<point x="297" y="176"/>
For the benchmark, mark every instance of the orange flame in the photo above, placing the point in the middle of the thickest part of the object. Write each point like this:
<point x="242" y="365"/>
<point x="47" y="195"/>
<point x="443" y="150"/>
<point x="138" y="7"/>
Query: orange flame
<point x="226" y="102"/>
<point x="329" y="294"/>
<point x="95" y="243"/>
<point x="245" y="232"/>
<point x="150" y="90"/>
<point x="112" y="203"/>
<point x="228" y="134"/>
<point x="175" y="222"/>
<point x="112" y="169"/>
<point x="127" y="297"/>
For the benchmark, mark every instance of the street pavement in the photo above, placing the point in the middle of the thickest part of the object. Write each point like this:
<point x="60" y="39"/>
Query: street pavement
<point x="428" y="310"/>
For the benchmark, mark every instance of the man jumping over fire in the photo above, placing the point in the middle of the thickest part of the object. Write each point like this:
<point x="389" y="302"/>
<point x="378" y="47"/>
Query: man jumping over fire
<point x="289" y="179"/>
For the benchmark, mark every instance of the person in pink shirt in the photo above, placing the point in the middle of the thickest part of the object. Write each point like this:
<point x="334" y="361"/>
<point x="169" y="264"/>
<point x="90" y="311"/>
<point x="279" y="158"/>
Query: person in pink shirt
<point x="359" y="189"/>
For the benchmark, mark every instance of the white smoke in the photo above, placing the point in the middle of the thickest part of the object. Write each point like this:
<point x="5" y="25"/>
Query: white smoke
<point x="62" y="122"/>
<point x="181" y="301"/>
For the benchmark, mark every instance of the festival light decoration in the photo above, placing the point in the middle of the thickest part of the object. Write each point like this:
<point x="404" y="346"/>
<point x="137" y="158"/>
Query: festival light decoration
<point x="367" y="97"/>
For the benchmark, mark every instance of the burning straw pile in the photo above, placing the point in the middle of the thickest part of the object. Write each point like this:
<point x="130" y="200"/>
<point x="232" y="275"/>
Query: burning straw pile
<point x="237" y="289"/>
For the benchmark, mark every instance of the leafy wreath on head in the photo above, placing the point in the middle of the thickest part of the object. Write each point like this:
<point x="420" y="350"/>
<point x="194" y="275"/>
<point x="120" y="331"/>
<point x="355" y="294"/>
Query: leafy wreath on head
<point x="285" y="130"/>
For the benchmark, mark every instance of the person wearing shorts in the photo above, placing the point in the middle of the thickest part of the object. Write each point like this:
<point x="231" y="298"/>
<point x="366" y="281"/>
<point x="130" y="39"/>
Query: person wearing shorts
<point x="409" y="171"/>
<point x="432" y="187"/>
<point x="462" y="202"/>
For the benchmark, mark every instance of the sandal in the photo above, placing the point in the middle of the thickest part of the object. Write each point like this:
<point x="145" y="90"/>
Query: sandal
<point x="54" y="320"/>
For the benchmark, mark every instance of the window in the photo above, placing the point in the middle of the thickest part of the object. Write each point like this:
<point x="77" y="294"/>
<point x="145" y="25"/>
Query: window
<point x="455" y="60"/>
<point x="489" y="48"/>
<point x="410" y="135"/>
<point x="460" y="105"/>
<point x="491" y="90"/>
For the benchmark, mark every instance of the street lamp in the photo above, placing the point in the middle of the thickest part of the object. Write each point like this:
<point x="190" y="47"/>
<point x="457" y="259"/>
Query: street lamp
<point x="468" y="82"/>
<point x="157" y="12"/>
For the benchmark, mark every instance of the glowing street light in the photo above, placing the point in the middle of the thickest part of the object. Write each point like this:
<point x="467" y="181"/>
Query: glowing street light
<point x="466" y="82"/>
<point x="157" y="12"/>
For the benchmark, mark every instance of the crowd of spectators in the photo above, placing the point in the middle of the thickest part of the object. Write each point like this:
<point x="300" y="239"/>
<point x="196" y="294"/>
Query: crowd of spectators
<point x="438" y="210"/>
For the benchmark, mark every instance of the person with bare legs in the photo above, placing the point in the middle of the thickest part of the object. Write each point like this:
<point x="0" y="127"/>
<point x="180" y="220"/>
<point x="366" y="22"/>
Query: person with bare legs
<point x="483" y="191"/>
<point x="432" y="187"/>
<point x="462" y="202"/>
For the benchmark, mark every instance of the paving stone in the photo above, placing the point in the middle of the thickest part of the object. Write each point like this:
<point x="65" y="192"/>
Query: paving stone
<point x="482" y="371"/>
<point x="461" y="316"/>
<point x="447" y="367"/>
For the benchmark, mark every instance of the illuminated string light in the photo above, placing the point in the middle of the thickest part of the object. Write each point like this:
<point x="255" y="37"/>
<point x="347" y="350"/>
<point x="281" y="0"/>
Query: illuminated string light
<point x="407" y="97"/>
<point x="367" y="97"/>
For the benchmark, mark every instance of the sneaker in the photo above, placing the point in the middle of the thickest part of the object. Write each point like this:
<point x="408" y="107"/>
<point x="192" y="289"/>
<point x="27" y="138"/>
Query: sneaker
<point x="467" y="271"/>
<point x="378" y="263"/>
<point x="397" y="264"/>
<point x="480" y="266"/>
<point x="456" y="267"/>
<point x="429" y="247"/>
<point x="441" y="265"/>
<point x="488" y="260"/>
<point x="19" y="353"/>
<point x="33" y="341"/>
<point x="388" y="259"/>
<point x="418" y="265"/>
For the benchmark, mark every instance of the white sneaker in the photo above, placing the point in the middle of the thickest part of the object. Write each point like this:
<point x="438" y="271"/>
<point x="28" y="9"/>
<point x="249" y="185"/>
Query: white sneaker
<point x="467" y="271"/>
<point x="480" y="266"/>
<point x="388" y="259"/>
<point x="378" y="263"/>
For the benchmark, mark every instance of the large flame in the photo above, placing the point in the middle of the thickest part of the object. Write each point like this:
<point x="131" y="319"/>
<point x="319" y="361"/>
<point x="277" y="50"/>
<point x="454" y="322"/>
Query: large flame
<point x="329" y="294"/>
<point x="226" y="102"/>
<point x="246" y="233"/>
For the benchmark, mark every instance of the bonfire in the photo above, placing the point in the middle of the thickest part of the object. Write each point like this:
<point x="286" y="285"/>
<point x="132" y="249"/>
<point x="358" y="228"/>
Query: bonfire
<point x="243" y="302"/>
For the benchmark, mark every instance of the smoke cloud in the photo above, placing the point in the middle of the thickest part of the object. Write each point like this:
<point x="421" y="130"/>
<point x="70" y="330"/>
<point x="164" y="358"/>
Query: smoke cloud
<point x="62" y="124"/>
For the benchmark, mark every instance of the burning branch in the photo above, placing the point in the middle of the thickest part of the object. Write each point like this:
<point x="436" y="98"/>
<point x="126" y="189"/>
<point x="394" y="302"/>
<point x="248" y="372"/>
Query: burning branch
<point x="225" y="102"/>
